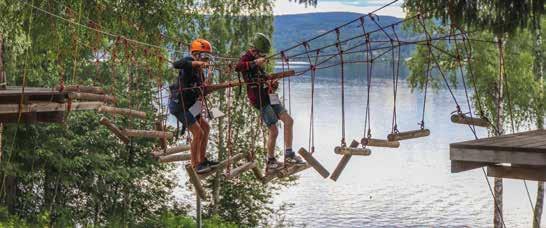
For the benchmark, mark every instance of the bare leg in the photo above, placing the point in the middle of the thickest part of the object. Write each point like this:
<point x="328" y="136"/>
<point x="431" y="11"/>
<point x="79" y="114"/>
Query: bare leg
<point x="273" y="133"/>
<point x="195" y="145"/>
<point x="205" y="140"/>
<point x="288" y="125"/>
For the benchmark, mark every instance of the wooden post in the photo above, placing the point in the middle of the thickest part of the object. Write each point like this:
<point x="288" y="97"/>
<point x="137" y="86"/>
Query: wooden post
<point x="81" y="89"/>
<point x="92" y="97"/>
<point x="408" y="135"/>
<point x="198" y="213"/>
<point x="313" y="162"/>
<point x="194" y="179"/>
<point x="499" y="101"/>
<point x="241" y="169"/>
<point x="174" y="157"/>
<point x="467" y="120"/>
<point x="122" y="111"/>
<point x="147" y="134"/>
<point x="343" y="162"/>
<point x="379" y="143"/>
<point x="114" y="129"/>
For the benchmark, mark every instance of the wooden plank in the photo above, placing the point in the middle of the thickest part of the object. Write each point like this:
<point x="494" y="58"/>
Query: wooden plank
<point x="239" y="170"/>
<point x="114" y="129"/>
<point x="498" y="148"/>
<point x="313" y="162"/>
<point x="522" y="173"/>
<point x="521" y="141"/>
<point x="223" y="165"/>
<point x="147" y="133"/>
<point x="33" y="117"/>
<point x="48" y="107"/>
<point x="81" y="88"/>
<point x="460" y="166"/>
<point x="122" y="111"/>
<point x="174" y="157"/>
<point x="194" y="179"/>
<point x="343" y="162"/>
<point x="92" y="97"/>
<point x="405" y="135"/>
<point x="379" y="143"/>
<point x="497" y="156"/>
<point x="467" y="120"/>
<point x="491" y="139"/>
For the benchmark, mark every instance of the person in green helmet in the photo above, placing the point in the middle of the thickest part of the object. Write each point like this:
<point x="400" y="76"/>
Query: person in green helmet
<point x="262" y="96"/>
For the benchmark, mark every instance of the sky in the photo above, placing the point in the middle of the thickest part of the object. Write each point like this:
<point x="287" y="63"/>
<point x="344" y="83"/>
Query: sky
<point x="284" y="7"/>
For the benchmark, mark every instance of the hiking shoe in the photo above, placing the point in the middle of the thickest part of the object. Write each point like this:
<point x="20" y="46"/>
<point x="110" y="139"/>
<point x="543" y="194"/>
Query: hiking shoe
<point x="211" y="164"/>
<point x="293" y="160"/>
<point x="273" y="164"/>
<point x="202" y="168"/>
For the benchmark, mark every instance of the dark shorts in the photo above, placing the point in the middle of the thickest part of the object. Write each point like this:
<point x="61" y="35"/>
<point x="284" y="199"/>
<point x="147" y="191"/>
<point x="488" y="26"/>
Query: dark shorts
<point x="270" y="114"/>
<point x="185" y="117"/>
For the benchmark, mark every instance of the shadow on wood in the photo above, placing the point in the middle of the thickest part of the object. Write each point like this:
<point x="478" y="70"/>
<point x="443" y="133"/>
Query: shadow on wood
<point x="313" y="162"/>
<point x="404" y="135"/>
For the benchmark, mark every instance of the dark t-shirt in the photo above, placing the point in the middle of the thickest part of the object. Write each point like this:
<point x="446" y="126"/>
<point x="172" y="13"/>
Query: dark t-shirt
<point x="188" y="77"/>
<point x="257" y="93"/>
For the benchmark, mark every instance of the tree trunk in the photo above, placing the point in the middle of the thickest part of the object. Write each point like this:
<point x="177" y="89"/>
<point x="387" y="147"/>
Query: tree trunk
<point x="499" y="99"/>
<point x="539" y="75"/>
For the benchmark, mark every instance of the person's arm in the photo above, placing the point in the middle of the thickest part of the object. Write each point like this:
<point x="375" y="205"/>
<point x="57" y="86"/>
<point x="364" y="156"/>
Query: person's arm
<point x="182" y="64"/>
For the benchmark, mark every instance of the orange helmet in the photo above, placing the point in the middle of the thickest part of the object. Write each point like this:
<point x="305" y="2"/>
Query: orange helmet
<point x="200" y="45"/>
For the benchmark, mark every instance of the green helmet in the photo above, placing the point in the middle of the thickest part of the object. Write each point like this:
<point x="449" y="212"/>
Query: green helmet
<point x="261" y="42"/>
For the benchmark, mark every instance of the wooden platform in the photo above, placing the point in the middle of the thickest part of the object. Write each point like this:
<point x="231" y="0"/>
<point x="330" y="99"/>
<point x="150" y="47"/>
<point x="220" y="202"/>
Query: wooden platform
<point x="518" y="156"/>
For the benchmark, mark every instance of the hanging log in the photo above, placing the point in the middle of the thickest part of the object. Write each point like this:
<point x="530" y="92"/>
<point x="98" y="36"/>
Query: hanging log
<point x="241" y="169"/>
<point x="82" y="89"/>
<point x="174" y="157"/>
<point x="313" y="162"/>
<point x="171" y="150"/>
<point x="194" y="179"/>
<point x="222" y="165"/>
<point x="256" y="170"/>
<point x="408" y="135"/>
<point x="122" y="111"/>
<point x="147" y="133"/>
<point x="343" y="162"/>
<point x="353" y="151"/>
<point x="379" y="143"/>
<point x="234" y="83"/>
<point x="48" y="107"/>
<point x="285" y="172"/>
<point x="160" y="127"/>
<point x="463" y="119"/>
<point x="104" y="121"/>
<point x="92" y="97"/>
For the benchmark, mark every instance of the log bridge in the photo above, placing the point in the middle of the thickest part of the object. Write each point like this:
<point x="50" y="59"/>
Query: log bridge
<point x="515" y="156"/>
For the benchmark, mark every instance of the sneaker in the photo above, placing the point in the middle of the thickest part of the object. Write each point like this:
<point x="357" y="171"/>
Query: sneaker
<point x="202" y="168"/>
<point x="211" y="164"/>
<point x="273" y="164"/>
<point x="293" y="159"/>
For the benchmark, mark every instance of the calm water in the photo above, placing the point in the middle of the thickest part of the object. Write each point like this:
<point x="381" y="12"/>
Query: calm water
<point x="406" y="187"/>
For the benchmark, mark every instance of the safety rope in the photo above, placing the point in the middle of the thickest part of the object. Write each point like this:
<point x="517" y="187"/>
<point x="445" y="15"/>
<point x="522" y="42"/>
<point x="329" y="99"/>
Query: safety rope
<point x="340" y="50"/>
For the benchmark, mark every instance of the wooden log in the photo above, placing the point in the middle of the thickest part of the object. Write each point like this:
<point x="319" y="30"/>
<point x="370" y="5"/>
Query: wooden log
<point x="82" y="89"/>
<point x="241" y="169"/>
<point x="194" y="179"/>
<point x="463" y="119"/>
<point x="256" y="169"/>
<point x="174" y="157"/>
<point x="114" y="129"/>
<point x="222" y="165"/>
<point x="122" y="111"/>
<point x="171" y="150"/>
<point x="234" y="83"/>
<point x="313" y="162"/>
<point x="408" y="135"/>
<point x="48" y="107"/>
<point x="353" y="151"/>
<point x="285" y="172"/>
<point x="535" y="173"/>
<point x="92" y="97"/>
<point x="379" y="143"/>
<point x="160" y="127"/>
<point x="343" y="162"/>
<point x="147" y="133"/>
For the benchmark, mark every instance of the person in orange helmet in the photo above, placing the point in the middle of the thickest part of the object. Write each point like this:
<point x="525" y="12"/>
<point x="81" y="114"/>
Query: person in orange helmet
<point x="186" y="101"/>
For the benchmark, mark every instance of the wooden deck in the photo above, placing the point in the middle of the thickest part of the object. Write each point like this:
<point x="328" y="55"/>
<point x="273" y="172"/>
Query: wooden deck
<point x="518" y="156"/>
